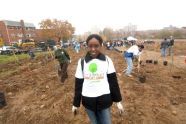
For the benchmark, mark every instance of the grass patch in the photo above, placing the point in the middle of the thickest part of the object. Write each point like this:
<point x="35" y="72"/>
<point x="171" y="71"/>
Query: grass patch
<point x="11" y="58"/>
<point x="8" y="73"/>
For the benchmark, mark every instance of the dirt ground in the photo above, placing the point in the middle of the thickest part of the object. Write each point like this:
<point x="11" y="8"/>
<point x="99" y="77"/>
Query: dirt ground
<point x="34" y="94"/>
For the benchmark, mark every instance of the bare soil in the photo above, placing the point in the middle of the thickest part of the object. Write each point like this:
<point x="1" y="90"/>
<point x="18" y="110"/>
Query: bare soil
<point x="35" y="95"/>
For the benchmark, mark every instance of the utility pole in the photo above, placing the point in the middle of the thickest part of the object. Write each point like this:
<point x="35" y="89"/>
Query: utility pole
<point x="23" y="30"/>
<point x="7" y="33"/>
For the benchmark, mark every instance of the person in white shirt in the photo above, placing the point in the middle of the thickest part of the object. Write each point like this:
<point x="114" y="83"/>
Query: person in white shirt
<point x="132" y="52"/>
<point x="96" y="83"/>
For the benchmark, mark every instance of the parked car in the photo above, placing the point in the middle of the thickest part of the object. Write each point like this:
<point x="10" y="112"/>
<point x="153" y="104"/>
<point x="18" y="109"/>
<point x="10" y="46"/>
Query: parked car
<point x="9" y="50"/>
<point x="38" y="49"/>
<point x="44" y="44"/>
<point x="1" y="48"/>
<point x="149" y="42"/>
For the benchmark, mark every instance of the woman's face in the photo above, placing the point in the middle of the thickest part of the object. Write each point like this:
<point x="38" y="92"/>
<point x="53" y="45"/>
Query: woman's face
<point x="94" y="47"/>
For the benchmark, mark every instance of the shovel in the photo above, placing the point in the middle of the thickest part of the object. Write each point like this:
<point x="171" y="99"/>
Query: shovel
<point x="16" y="58"/>
<point x="141" y="78"/>
<point x="56" y="65"/>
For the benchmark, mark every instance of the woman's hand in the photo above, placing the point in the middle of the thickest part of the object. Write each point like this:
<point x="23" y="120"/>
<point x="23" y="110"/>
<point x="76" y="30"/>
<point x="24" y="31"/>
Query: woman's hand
<point x="120" y="107"/>
<point x="74" y="110"/>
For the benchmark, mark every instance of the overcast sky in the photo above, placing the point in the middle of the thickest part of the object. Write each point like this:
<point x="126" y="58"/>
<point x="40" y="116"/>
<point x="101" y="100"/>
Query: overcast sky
<point x="87" y="14"/>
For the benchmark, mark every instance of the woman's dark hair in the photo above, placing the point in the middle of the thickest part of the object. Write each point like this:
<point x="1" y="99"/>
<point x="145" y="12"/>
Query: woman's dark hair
<point x="96" y="36"/>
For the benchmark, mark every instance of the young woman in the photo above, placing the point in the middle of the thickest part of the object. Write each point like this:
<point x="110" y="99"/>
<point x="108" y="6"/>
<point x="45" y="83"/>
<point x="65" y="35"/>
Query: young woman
<point x="96" y="83"/>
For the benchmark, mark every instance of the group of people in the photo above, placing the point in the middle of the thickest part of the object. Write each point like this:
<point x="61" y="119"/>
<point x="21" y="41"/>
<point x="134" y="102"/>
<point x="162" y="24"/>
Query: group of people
<point x="118" y="43"/>
<point x="96" y="84"/>
<point x="77" y="47"/>
<point x="167" y="44"/>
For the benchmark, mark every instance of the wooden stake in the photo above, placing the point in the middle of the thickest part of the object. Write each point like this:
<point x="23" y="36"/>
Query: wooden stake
<point x="172" y="59"/>
<point x="16" y="59"/>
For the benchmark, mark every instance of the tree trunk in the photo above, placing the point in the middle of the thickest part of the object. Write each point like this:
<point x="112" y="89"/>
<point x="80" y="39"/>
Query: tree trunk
<point x="59" y="39"/>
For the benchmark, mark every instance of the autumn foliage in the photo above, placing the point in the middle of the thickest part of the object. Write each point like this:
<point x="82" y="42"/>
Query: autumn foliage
<point x="56" y="29"/>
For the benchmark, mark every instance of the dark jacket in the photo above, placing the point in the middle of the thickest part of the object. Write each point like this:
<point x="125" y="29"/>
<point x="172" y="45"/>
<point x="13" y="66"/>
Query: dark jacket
<point x="101" y="102"/>
<point x="171" y="42"/>
<point x="164" y="44"/>
<point x="62" y="56"/>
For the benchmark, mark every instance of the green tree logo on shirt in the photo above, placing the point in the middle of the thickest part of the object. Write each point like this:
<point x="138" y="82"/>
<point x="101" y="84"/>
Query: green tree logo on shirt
<point x="93" y="67"/>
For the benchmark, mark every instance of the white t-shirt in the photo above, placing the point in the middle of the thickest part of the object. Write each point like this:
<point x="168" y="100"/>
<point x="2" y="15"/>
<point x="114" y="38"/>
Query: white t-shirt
<point x="95" y="76"/>
<point x="134" y="49"/>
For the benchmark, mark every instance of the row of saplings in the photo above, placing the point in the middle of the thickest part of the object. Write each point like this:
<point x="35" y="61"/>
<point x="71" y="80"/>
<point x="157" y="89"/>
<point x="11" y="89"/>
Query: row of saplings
<point x="142" y="78"/>
<point x="156" y="62"/>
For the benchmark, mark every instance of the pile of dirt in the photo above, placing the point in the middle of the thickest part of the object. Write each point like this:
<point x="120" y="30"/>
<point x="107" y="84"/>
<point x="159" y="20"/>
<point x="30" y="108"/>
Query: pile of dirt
<point x="35" y="95"/>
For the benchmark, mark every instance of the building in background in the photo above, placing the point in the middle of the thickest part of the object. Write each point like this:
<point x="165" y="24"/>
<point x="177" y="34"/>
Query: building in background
<point x="171" y="27"/>
<point x="14" y="31"/>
